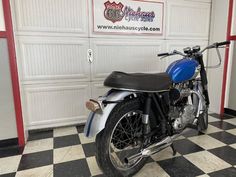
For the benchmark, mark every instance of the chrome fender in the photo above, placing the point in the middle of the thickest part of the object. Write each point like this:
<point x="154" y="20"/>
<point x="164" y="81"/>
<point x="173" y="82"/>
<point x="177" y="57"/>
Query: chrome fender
<point x="96" y="121"/>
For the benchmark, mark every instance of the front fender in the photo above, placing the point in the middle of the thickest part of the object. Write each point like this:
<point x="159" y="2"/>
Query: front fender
<point x="96" y="121"/>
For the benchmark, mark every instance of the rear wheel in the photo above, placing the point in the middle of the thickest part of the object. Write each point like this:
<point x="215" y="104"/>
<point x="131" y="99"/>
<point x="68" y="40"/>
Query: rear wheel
<point x="203" y="120"/>
<point x="120" y="139"/>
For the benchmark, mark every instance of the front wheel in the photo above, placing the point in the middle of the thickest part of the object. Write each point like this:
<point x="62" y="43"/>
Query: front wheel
<point x="121" y="139"/>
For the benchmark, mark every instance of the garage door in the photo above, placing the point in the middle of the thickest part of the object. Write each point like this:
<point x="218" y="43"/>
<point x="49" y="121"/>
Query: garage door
<point x="52" y="41"/>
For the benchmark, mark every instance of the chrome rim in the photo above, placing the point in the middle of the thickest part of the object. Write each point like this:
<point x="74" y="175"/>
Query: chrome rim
<point x="124" y="140"/>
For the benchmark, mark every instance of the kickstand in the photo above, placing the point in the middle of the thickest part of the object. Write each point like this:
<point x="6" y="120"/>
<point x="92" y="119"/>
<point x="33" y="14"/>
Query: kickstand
<point x="173" y="149"/>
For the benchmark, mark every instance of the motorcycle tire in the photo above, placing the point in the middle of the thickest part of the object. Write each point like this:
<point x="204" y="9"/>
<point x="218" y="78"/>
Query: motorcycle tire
<point x="103" y="140"/>
<point x="203" y="120"/>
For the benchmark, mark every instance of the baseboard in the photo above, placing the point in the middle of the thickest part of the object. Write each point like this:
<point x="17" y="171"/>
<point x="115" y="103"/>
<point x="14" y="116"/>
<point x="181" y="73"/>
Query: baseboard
<point x="49" y="124"/>
<point x="230" y="111"/>
<point x="8" y="142"/>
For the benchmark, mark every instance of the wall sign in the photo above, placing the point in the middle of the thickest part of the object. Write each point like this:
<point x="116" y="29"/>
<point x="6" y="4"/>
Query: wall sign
<point x="128" y="16"/>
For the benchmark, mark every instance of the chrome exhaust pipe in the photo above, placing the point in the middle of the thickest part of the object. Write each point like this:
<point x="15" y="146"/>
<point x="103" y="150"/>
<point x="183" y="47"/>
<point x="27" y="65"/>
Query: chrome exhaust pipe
<point x="153" y="149"/>
<point x="150" y="150"/>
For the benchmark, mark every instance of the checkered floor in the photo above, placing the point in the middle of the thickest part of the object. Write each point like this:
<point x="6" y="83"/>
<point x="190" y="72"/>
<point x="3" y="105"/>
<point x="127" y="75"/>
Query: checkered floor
<point x="65" y="152"/>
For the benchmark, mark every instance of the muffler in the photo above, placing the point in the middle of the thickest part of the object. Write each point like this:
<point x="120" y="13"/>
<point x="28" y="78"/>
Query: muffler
<point x="153" y="149"/>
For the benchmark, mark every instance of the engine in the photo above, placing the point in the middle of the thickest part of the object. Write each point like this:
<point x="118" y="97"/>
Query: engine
<point x="182" y="110"/>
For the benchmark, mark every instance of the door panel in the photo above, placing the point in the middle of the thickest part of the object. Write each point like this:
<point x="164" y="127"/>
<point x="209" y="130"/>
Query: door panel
<point x="125" y="55"/>
<point x="53" y="58"/>
<point x="98" y="89"/>
<point x="52" y="105"/>
<point x="188" y="19"/>
<point x="57" y="16"/>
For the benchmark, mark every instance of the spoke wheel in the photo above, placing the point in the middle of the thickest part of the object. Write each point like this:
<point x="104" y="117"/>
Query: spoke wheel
<point x="120" y="139"/>
<point x="124" y="141"/>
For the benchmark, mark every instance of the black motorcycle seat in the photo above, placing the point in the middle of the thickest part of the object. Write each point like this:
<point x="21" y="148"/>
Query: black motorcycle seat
<point x="138" y="81"/>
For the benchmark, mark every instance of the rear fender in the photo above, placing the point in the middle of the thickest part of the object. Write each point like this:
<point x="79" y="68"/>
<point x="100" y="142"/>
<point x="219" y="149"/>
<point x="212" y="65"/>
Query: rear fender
<point x="96" y="121"/>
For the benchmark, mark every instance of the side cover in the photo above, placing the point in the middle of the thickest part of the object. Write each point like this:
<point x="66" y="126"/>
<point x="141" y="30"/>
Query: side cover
<point x="96" y="121"/>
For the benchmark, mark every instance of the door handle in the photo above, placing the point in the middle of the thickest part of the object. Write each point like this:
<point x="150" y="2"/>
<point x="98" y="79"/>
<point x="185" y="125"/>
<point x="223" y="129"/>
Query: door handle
<point x="90" y="55"/>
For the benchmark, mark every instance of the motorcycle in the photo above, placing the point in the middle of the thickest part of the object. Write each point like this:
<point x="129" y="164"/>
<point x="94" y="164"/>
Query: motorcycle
<point x="143" y="114"/>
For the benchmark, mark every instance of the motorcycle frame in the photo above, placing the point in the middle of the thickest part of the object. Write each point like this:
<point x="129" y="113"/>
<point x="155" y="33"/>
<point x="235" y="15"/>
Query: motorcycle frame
<point x="97" y="120"/>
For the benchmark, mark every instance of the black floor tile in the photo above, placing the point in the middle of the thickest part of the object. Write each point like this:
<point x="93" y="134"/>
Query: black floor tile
<point x="89" y="149"/>
<point x="63" y="141"/>
<point x="8" y="175"/>
<point x="40" y="135"/>
<point x="8" y="143"/>
<point x="192" y="132"/>
<point x="181" y="167"/>
<point x="149" y="160"/>
<point x="80" y="128"/>
<point x="37" y="159"/>
<point x="228" y="172"/>
<point x="77" y="168"/>
<point x="223" y="125"/>
<point x="226" y="153"/>
<point x="218" y="116"/>
<point x="185" y="146"/>
<point x="11" y="151"/>
<point x="224" y="137"/>
<point x="228" y="116"/>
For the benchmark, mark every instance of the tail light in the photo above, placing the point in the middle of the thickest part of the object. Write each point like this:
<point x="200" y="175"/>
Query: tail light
<point x="92" y="105"/>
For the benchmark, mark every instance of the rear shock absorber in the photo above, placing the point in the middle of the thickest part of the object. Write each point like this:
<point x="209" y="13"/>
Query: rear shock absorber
<point x="145" y="118"/>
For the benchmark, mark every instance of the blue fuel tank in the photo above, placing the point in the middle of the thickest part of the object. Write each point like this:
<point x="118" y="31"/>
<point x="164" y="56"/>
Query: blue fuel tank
<point x="182" y="70"/>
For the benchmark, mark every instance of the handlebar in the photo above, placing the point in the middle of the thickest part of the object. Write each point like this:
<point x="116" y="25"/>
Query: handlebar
<point x="162" y="54"/>
<point x="216" y="45"/>
<point x="222" y="43"/>
<point x="175" y="52"/>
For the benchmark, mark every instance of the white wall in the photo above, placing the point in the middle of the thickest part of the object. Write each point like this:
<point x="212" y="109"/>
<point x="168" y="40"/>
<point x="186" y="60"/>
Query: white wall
<point x="218" y="30"/>
<point x="231" y="80"/>
<point x="233" y="27"/>
<point x="2" y="20"/>
<point x="55" y="75"/>
<point x="7" y="112"/>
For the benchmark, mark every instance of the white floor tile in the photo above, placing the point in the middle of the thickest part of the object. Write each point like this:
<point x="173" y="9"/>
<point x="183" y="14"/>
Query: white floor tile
<point x="38" y="145"/>
<point x="212" y="119"/>
<point x="151" y="170"/>
<point x="63" y="131"/>
<point x="180" y="138"/>
<point x="232" y="131"/>
<point x="207" y="161"/>
<point x="164" y="154"/>
<point x="203" y="176"/>
<point x="93" y="166"/>
<point x="231" y="121"/>
<point x="212" y="129"/>
<point x="233" y="145"/>
<point x="68" y="154"/>
<point x="206" y="142"/>
<point x="85" y="140"/>
<point x="46" y="171"/>
<point x="9" y="164"/>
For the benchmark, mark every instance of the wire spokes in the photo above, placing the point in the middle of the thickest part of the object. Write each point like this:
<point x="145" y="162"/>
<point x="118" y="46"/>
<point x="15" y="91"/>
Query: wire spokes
<point x="124" y="139"/>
